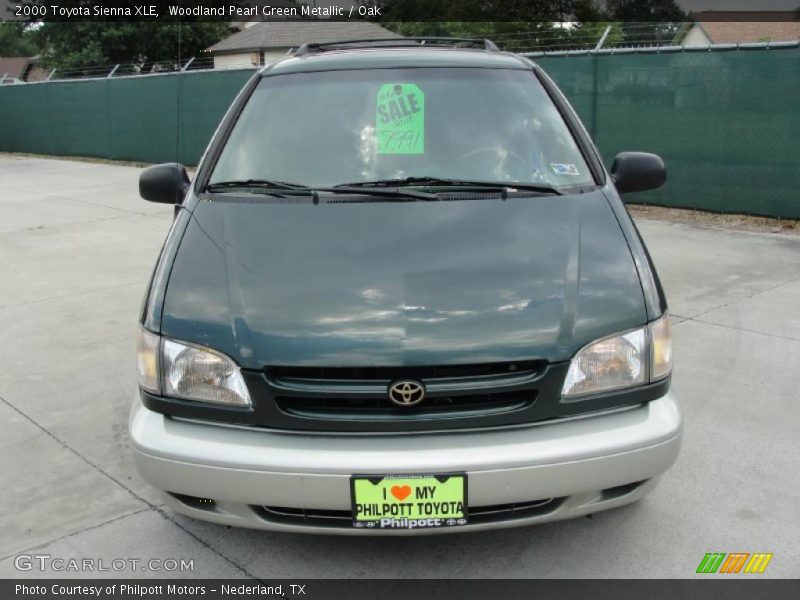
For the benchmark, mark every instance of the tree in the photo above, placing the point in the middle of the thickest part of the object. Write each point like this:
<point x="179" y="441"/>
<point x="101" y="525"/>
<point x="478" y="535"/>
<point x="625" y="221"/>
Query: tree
<point x="526" y="24"/>
<point x="647" y="22"/>
<point x="16" y="39"/>
<point x="486" y="11"/>
<point x="69" y="44"/>
<point x="645" y="10"/>
<point x="78" y="45"/>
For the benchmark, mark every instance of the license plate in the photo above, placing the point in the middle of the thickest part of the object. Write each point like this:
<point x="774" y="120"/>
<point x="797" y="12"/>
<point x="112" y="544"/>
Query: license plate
<point x="409" y="501"/>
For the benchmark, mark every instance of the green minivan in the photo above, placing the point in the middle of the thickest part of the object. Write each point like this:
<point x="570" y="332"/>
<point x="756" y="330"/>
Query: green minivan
<point x="402" y="295"/>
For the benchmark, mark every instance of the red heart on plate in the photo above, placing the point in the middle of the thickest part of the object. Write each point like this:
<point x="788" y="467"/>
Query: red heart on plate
<point x="401" y="492"/>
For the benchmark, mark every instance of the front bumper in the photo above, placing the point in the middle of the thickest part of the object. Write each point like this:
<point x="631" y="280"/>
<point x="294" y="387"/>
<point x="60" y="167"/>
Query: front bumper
<point x="584" y="464"/>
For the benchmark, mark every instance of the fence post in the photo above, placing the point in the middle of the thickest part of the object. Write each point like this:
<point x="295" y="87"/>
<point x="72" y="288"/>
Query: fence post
<point x="107" y="87"/>
<point x="593" y="122"/>
<point x="602" y="39"/>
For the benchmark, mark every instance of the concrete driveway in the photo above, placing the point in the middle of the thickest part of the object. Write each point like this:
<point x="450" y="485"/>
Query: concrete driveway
<point x="76" y="249"/>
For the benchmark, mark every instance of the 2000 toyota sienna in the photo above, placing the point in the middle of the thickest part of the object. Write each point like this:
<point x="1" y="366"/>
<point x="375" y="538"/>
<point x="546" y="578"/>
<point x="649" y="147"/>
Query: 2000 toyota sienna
<point x="402" y="295"/>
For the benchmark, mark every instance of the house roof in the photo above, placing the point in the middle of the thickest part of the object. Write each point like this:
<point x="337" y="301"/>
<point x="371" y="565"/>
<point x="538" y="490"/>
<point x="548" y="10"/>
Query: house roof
<point x="290" y="34"/>
<point x="14" y="66"/>
<point x="741" y="28"/>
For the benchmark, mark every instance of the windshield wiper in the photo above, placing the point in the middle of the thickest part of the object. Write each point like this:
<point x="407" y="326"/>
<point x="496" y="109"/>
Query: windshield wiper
<point x="444" y="182"/>
<point x="296" y="189"/>
<point x="253" y="183"/>
<point x="369" y="190"/>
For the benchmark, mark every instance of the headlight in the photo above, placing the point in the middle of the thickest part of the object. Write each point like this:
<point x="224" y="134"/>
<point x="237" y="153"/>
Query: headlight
<point x="196" y="373"/>
<point x="188" y="372"/>
<point x="621" y="361"/>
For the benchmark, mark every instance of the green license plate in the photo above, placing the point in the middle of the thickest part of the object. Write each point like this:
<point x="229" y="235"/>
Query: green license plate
<point x="409" y="501"/>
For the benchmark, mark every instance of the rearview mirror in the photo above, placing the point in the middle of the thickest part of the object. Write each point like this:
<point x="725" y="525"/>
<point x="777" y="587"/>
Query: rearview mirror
<point x="165" y="183"/>
<point x="638" y="172"/>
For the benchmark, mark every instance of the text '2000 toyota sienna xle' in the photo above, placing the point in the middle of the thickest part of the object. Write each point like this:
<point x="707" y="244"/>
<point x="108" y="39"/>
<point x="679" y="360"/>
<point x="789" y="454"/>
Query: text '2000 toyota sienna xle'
<point x="402" y="295"/>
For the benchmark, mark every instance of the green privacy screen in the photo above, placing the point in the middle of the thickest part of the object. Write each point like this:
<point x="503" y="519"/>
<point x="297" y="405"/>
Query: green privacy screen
<point x="726" y="122"/>
<point x="157" y="118"/>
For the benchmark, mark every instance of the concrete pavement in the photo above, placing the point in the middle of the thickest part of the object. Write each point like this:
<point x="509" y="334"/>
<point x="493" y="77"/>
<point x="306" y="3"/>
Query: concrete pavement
<point x="76" y="249"/>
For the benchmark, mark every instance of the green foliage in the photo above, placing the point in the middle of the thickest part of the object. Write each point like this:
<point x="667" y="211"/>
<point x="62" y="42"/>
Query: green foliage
<point x="83" y="44"/>
<point x="529" y="24"/>
<point x="647" y="22"/>
<point x="516" y="35"/>
<point x="71" y="44"/>
<point x="645" y="10"/>
<point x="16" y="39"/>
<point x="536" y="24"/>
<point x="485" y="11"/>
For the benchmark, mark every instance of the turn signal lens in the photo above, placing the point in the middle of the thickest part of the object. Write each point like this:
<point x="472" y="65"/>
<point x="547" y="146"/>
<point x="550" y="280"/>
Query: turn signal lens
<point x="661" y="348"/>
<point x="147" y="360"/>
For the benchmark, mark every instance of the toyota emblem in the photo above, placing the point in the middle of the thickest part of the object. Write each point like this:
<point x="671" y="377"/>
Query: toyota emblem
<point x="406" y="392"/>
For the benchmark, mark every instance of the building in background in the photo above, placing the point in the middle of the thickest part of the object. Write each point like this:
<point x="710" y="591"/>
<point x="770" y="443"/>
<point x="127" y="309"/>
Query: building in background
<point x="19" y="69"/>
<point x="261" y="42"/>
<point x="741" y="27"/>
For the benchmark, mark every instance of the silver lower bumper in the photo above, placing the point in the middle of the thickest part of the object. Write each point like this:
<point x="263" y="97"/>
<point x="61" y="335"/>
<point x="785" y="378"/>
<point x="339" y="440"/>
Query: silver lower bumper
<point x="580" y="461"/>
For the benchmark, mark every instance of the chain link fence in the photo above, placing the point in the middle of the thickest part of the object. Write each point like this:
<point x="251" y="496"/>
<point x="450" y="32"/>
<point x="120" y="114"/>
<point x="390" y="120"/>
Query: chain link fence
<point x="155" y="118"/>
<point x="725" y="119"/>
<point x="594" y="36"/>
<point x="110" y="71"/>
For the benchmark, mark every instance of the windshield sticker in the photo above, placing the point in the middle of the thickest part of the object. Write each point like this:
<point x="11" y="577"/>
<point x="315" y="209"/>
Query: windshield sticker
<point x="400" y="119"/>
<point x="564" y="169"/>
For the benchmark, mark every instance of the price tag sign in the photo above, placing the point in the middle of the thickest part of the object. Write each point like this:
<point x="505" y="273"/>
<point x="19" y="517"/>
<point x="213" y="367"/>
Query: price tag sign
<point x="400" y="119"/>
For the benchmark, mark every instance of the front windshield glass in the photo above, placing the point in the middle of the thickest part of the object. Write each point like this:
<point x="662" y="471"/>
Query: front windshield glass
<point x="328" y="128"/>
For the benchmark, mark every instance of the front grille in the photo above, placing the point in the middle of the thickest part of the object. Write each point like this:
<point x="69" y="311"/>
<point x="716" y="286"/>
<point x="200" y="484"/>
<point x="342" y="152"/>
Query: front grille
<point x="314" y="517"/>
<point x="360" y="394"/>
<point x="393" y="373"/>
<point x="350" y="407"/>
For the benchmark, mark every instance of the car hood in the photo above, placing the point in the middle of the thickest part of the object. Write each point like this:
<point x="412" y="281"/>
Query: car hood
<point x="401" y="283"/>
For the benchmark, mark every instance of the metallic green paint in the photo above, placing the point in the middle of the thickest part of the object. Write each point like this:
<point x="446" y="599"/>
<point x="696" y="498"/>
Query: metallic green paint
<point x="398" y="283"/>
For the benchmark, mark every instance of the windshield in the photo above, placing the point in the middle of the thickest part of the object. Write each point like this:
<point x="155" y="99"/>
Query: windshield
<point x="329" y="128"/>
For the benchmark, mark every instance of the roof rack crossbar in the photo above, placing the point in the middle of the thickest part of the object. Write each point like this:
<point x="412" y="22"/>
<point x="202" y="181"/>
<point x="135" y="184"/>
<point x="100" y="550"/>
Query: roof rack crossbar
<point x="403" y="42"/>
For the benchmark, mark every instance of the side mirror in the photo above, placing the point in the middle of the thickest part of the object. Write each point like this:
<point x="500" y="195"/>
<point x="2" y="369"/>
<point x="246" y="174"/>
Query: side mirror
<point x="638" y="172"/>
<point x="165" y="183"/>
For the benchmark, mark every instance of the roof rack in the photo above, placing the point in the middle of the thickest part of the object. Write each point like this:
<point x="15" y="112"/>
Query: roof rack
<point x="404" y="42"/>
